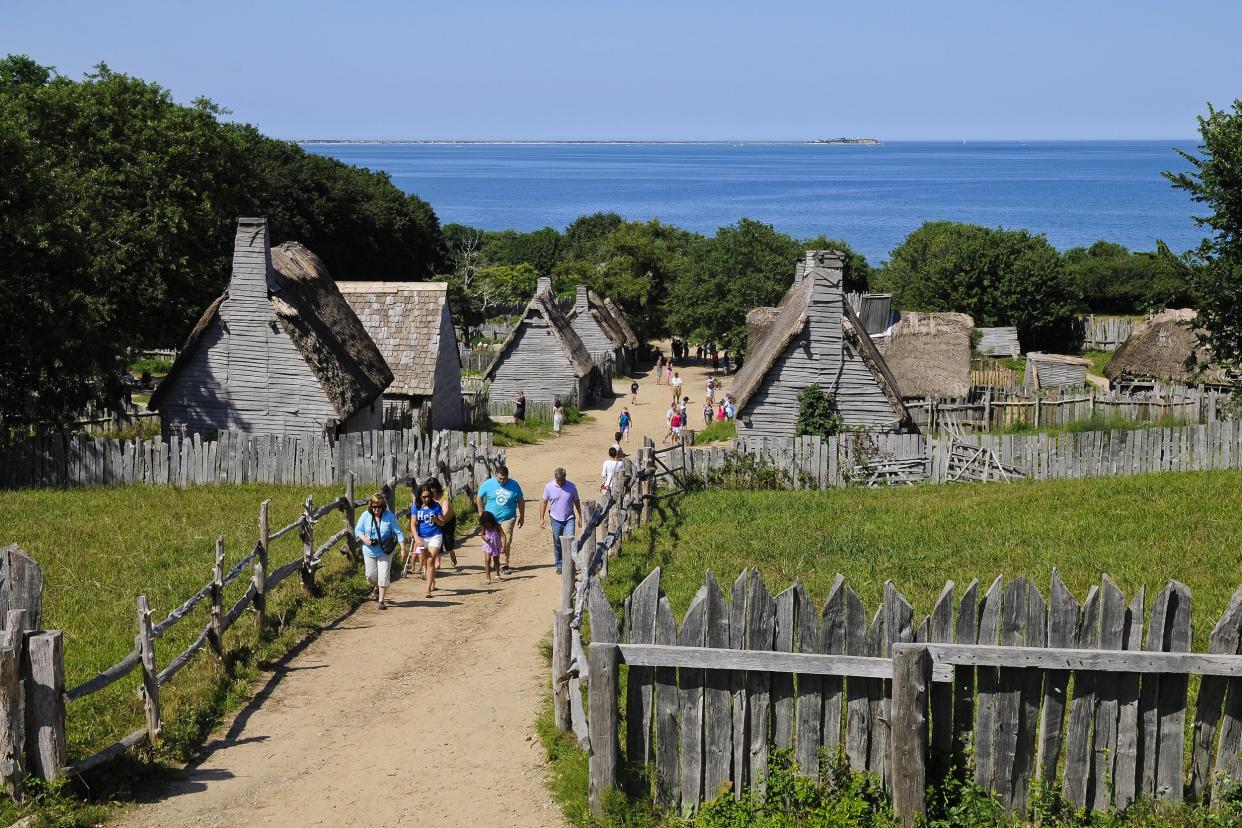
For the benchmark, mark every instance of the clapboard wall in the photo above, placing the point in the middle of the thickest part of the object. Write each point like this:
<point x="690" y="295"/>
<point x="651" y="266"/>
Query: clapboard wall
<point x="536" y="363"/>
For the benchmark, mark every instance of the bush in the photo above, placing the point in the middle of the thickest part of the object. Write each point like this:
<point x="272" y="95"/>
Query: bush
<point x="817" y="413"/>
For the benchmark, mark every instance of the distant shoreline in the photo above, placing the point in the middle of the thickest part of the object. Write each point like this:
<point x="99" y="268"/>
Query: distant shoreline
<point x="829" y="142"/>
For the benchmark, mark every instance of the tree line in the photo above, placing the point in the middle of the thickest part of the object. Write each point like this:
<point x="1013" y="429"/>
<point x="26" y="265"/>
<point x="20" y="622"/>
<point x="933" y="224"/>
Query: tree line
<point x="117" y="212"/>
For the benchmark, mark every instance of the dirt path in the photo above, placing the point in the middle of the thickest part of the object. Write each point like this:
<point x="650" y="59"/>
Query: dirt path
<point x="422" y="715"/>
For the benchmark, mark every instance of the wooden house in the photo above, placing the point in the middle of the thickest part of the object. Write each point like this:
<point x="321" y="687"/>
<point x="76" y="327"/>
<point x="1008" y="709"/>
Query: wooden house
<point x="999" y="342"/>
<point x="280" y="352"/>
<point x="928" y="354"/>
<point x="601" y="329"/>
<point x="542" y="356"/>
<point x="412" y="325"/>
<point x="814" y="337"/>
<point x="1055" y="371"/>
<point x="1166" y="348"/>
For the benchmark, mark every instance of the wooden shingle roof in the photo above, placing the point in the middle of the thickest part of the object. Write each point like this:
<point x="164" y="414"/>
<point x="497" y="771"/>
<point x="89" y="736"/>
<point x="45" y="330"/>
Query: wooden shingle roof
<point x="404" y="320"/>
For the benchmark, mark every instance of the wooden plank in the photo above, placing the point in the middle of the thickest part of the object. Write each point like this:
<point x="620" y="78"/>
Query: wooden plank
<point x="1112" y="637"/>
<point x="640" y="619"/>
<point x="1226" y="638"/>
<point x="760" y="633"/>
<point x="717" y="697"/>
<point x="1031" y="684"/>
<point x="605" y="760"/>
<point x="691" y="704"/>
<point x="877" y="701"/>
<point x="667" y="707"/>
<point x="1015" y="605"/>
<point x="45" y="704"/>
<point x="965" y="631"/>
<point x="987" y="681"/>
<point x="810" y="700"/>
<point x="1082" y="707"/>
<point x="858" y="706"/>
<point x="898" y="628"/>
<point x="940" y="630"/>
<point x="1171" y="703"/>
<point x="911" y="679"/>
<point x="737" y="641"/>
<point x="1062" y="632"/>
<point x="1126" y="766"/>
<point x="782" y="683"/>
<point x="832" y="640"/>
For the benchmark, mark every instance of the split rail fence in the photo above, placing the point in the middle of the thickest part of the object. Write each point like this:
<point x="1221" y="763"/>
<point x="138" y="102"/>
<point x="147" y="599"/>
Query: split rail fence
<point x="35" y="742"/>
<point x="371" y="457"/>
<point x="870" y="459"/>
<point x="1090" y="698"/>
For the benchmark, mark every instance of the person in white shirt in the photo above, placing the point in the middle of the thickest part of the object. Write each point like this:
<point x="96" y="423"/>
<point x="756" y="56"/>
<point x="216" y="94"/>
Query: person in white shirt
<point x="611" y="466"/>
<point x="676" y="382"/>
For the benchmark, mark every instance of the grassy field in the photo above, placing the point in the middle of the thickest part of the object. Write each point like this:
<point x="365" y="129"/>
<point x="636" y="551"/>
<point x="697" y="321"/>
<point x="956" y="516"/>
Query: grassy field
<point x="530" y="430"/>
<point x="101" y="547"/>
<point x="1099" y="361"/>
<point x="716" y="432"/>
<point x="1140" y="530"/>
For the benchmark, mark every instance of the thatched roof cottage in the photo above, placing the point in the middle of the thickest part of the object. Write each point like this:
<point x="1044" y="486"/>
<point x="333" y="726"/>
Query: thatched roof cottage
<point x="279" y="352"/>
<point x="542" y="356"/>
<point x="815" y="338"/>
<point x="412" y="325"/>
<point x="1055" y="371"/>
<point x="598" y="328"/>
<point x="1165" y="347"/>
<point x="929" y="354"/>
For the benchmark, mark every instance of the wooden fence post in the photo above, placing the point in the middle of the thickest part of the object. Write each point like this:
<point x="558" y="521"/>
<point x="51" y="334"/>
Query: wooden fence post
<point x="561" y="636"/>
<point x="260" y="564"/>
<point x="12" y="745"/>
<point x="605" y="759"/>
<point x="150" y="691"/>
<point x="216" y="637"/>
<point x="351" y="540"/>
<point x="912" y="669"/>
<point x="307" y="531"/>
<point x="45" y="708"/>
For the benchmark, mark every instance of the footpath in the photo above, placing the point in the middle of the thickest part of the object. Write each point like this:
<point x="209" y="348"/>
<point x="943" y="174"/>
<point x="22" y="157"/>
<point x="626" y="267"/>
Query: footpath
<point x="424" y="714"/>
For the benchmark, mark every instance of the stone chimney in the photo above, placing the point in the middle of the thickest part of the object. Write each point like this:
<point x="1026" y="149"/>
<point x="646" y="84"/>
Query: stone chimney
<point x="544" y="285"/>
<point x="580" y="299"/>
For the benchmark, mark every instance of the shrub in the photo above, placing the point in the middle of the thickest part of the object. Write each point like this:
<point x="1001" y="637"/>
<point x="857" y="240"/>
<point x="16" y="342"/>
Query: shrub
<point x="817" y="413"/>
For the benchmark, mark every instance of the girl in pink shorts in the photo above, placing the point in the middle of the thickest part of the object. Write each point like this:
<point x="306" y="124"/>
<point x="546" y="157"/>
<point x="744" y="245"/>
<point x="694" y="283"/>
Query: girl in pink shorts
<point x="493" y="541"/>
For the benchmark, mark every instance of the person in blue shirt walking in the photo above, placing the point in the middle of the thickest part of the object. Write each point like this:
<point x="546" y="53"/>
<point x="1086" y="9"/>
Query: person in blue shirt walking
<point x="427" y="518"/>
<point x="502" y="496"/>
<point x="379" y="533"/>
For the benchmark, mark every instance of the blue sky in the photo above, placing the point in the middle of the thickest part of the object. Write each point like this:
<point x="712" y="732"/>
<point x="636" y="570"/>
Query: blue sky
<point x="676" y="69"/>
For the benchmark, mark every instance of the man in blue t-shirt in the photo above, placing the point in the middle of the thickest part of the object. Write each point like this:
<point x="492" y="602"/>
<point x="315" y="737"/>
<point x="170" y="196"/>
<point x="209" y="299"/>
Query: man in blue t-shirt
<point x="503" y="498"/>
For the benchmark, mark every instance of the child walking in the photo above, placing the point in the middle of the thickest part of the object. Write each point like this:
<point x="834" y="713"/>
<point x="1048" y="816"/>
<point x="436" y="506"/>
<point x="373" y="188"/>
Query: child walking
<point x="634" y="393"/>
<point x="493" y="541"/>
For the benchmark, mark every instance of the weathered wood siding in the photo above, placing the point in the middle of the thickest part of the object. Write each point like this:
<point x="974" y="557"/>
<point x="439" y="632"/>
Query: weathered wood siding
<point x="1053" y="373"/>
<point x="535" y="363"/>
<point x="446" y="408"/>
<point x="247" y="375"/>
<point x="816" y="356"/>
<point x="592" y="335"/>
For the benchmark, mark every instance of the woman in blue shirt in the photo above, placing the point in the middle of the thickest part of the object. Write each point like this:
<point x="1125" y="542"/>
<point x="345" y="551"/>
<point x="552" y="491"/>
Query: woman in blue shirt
<point x="379" y="533"/>
<point x="427" y="519"/>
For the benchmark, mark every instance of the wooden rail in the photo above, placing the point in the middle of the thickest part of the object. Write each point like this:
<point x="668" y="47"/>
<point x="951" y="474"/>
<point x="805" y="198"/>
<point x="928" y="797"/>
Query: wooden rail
<point x="459" y="470"/>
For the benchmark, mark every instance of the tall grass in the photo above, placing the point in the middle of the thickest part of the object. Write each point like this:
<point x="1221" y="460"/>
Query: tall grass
<point x="101" y="547"/>
<point x="1096" y="422"/>
<point x="717" y="431"/>
<point x="1140" y="530"/>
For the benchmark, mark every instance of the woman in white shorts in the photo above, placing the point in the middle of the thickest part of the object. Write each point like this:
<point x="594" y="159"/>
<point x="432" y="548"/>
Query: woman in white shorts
<point x="379" y="533"/>
<point x="427" y="522"/>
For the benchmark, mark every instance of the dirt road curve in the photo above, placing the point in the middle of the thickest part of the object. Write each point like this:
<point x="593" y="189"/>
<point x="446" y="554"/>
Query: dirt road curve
<point x="421" y="715"/>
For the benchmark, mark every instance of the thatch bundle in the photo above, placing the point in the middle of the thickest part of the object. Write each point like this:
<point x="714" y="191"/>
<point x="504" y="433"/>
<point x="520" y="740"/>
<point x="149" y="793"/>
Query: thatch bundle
<point x="758" y="323"/>
<point x="929" y="354"/>
<point x="1166" y="347"/>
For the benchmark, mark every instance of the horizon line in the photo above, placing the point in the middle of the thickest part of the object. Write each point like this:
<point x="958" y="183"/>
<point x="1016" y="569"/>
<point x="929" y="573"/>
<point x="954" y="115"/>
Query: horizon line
<point x="856" y="141"/>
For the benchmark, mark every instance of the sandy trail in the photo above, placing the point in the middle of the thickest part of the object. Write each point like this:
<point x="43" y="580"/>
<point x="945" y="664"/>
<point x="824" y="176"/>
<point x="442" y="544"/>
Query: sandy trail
<point x="421" y="715"/>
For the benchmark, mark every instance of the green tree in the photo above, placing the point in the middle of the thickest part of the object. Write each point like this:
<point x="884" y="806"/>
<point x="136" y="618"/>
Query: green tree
<point x="999" y="277"/>
<point x="1216" y="183"/>
<point x="505" y="284"/>
<point x="1112" y="279"/>
<point x="585" y="232"/>
<point x="744" y="266"/>
<point x="541" y="248"/>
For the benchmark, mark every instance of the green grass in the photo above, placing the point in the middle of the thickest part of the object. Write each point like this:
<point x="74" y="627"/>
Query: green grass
<point x="1140" y="530"/>
<point x="718" y="430"/>
<point x="158" y="366"/>
<point x="1096" y="422"/>
<point x="1099" y="360"/>
<point x="530" y="431"/>
<point x="101" y="547"/>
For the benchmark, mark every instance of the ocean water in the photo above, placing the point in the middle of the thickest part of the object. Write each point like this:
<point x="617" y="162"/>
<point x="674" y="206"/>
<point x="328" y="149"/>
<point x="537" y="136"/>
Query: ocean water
<point x="1074" y="192"/>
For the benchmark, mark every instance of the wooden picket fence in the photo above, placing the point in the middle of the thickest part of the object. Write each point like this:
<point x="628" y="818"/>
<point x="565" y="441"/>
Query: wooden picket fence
<point x="41" y="689"/>
<point x="993" y="409"/>
<point x="854" y="458"/>
<point x="1104" y="333"/>
<point x="1090" y="698"/>
<point x="370" y="457"/>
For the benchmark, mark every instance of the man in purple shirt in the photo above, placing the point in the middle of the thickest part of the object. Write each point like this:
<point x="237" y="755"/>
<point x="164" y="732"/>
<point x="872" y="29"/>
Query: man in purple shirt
<point x="562" y="497"/>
